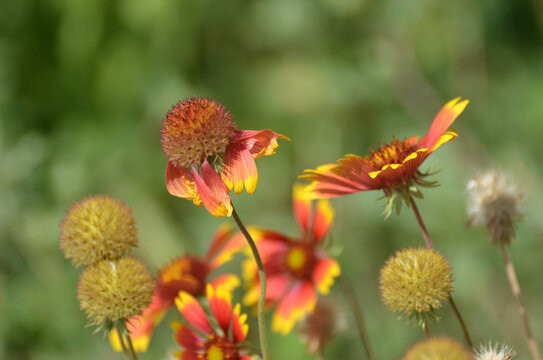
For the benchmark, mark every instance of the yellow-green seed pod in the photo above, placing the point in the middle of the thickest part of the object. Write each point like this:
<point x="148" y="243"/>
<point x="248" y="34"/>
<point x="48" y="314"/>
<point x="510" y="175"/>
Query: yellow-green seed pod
<point x="114" y="290"/>
<point x="97" y="228"/>
<point x="441" y="348"/>
<point x="415" y="281"/>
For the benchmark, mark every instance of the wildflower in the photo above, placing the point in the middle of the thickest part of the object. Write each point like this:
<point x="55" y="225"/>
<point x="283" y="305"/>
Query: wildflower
<point x="296" y="268"/>
<point x="442" y="348"/>
<point x="97" y="228"/>
<point x="208" y="157"/>
<point x="392" y="168"/>
<point x="494" y="352"/>
<point x="187" y="273"/>
<point x="493" y="202"/>
<point x="320" y="327"/>
<point x="112" y="291"/>
<point x="415" y="281"/>
<point x="202" y="340"/>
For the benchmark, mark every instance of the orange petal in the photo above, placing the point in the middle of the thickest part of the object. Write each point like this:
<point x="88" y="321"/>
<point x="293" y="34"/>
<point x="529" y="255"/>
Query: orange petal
<point x="302" y="205"/>
<point x="239" y="168"/>
<point x="299" y="301"/>
<point x="322" y="220"/>
<point x="220" y="302"/>
<point x="239" y="327"/>
<point x="180" y="183"/>
<point x="187" y="338"/>
<point x="212" y="191"/>
<point x="442" y="122"/>
<point x="193" y="312"/>
<point x="259" y="143"/>
<point x="324" y="274"/>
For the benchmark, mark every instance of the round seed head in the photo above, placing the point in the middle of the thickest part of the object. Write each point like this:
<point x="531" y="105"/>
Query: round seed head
<point x="442" y="348"/>
<point x="195" y="129"/>
<point x="97" y="228"/>
<point x="415" y="281"/>
<point x="494" y="352"/>
<point x="114" y="290"/>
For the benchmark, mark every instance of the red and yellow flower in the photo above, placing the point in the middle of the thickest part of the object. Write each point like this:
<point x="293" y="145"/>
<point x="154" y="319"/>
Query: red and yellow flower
<point x="208" y="157"/>
<point x="296" y="269"/>
<point x="391" y="167"/>
<point x="189" y="274"/>
<point x="200" y="339"/>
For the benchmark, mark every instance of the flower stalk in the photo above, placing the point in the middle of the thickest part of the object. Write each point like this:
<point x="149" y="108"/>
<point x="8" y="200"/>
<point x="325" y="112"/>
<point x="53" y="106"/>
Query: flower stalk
<point x="430" y="245"/>
<point x="355" y="308"/>
<point x="515" y="288"/>
<point x="262" y="330"/>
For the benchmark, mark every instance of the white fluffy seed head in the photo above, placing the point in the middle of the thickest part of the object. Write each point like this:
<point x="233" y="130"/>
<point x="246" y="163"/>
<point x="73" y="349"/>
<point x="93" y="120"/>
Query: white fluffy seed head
<point x="493" y="201"/>
<point x="494" y="352"/>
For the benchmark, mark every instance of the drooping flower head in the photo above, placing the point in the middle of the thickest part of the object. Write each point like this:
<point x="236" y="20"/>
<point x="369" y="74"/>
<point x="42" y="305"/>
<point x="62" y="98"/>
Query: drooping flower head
<point x="296" y="269"/>
<point x="393" y="168"/>
<point x="415" y="281"/>
<point x="202" y="340"/>
<point x="111" y="291"/>
<point x="440" y="348"/>
<point x="207" y="156"/>
<point x="97" y="228"/>
<point x="494" y="352"/>
<point x="186" y="273"/>
<point x="493" y="201"/>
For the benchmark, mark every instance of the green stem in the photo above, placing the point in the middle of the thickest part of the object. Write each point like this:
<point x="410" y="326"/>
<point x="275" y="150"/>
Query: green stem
<point x="131" y="347"/>
<point x="430" y="246"/>
<point x="355" y="308"/>
<point x="123" y="346"/>
<point x="262" y="276"/>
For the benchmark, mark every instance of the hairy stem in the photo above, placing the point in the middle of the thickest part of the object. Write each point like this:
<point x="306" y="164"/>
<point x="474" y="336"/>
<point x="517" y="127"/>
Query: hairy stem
<point x="123" y="345"/>
<point x="355" y="308"/>
<point x="426" y="329"/>
<point x="430" y="246"/>
<point x="262" y="330"/>
<point x="515" y="288"/>
<point x="131" y="347"/>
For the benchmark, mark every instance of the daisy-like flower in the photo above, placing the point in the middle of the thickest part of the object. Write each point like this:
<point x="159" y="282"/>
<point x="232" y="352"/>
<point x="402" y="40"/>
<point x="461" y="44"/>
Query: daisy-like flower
<point x="208" y="157"/>
<point x="296" y="269"/>
<point x="189" y="274"/>
<point x="391" y="168"/>
<point x="201" y="340"/>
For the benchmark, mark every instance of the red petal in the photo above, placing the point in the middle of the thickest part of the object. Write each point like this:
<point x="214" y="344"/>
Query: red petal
<point x="221" y="307"/>
<point x="302" y="206"/>
<point x="442" y="122"/>
<point x="324" y="274"/>
<point x="193" y="312"/>
<point x="299" y="301"/>
<point x="179" y="182"/>
<point x="239" y="168"/>
<point x="187" y="338"/>
<point x="259" y="143"/>
<point x="212" y="191"/>
<point x="239" y="328"/>
<point x="220" y="238"/>
<point x="322" y="220"/>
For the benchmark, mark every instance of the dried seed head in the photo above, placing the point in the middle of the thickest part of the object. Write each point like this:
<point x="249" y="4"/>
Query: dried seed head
<point x="195" y="129"/>
<point x="494" y="202"/>
<point x="415" y="281"/>
<point x="97" y="228"/>
<point x="441" y="348"/>
<point x="321" y="326"/>
<point x="494" y="352"/>
<point x="116" y="290"/>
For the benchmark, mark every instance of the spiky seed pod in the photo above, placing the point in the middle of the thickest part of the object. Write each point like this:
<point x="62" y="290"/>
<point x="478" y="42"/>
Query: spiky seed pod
<point x="494" y="352"/>
<point x="493" y="201"/>
<point x="195" y="129"/>
<point x="442" y="348"/>
<point x="112" y="291"/>
<point x="415" y="281"/>
<point x="97" y="228"/>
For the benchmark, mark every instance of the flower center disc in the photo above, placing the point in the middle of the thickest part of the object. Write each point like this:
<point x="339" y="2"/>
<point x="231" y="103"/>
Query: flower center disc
<point x="393" y="153"/>
<point x="195" y="129"/>
<point x="221" y="348"/>
<point x="300" y="261"/>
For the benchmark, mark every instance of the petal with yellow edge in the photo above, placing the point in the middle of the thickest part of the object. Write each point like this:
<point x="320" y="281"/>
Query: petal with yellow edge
<point x="325" y="273"/>
<point x="193" y="312"/>
<point x="239" y="327"/>
<point x="298" y="302"/>
<point x="212" y="191"/>
<point x="322" y="220"/>
<point x="221" y="307"/>
<point x="239" y="169"/>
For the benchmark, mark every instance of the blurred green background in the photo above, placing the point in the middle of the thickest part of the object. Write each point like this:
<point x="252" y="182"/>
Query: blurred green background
<point x="85" y="84"/>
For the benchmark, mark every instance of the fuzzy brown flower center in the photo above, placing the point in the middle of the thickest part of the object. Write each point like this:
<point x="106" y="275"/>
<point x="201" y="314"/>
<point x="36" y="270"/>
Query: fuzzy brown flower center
<point x="195" y="129"/>
<point x="300" y="260"/>
<point x="393" y="153"/>
<point x="221" y="348"/>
